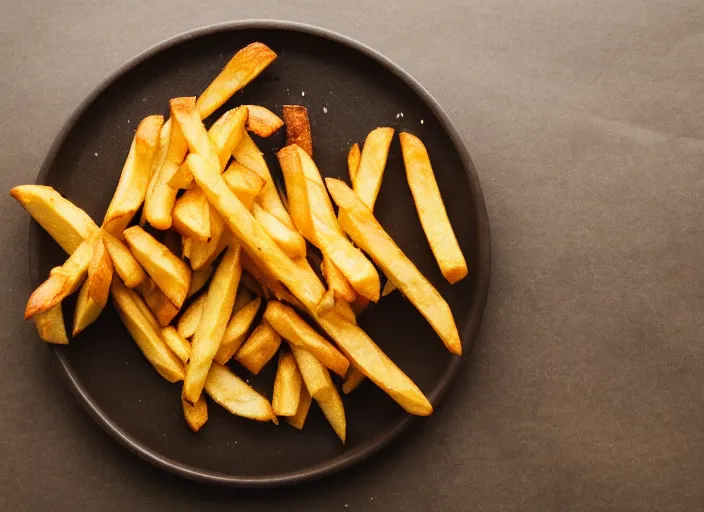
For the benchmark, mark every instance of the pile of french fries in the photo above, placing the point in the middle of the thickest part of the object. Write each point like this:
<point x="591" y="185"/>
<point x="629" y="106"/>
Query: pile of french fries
<point x="216" y="243"/>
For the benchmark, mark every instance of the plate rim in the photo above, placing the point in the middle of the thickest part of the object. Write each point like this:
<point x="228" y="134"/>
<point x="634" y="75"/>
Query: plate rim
<point x="471" y="327"/>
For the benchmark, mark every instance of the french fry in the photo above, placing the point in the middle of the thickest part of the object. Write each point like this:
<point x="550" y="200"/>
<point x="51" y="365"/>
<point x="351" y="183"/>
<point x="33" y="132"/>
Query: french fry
<point x="353" y="158"/>
<point x="354" y="378"/>
<point x="157" y="164"/>
<point x="63" y="280"/>
<point x="431" y="209"/>
<point x="177" y="343"/>
<point x="126" y="266"/>
<point x="259" y="348"/>
<point x="199" y="279"/>
<point x="344" y="309"/>
<point x="50" y="325"/>
<point x="336" y="281"/>
<point x="203" y="253"/>
<point x="225" y="135"/>
<point x="136" y="174"/>
<point x="299" y="419"/>
<point x="248" y="154"/>
<point x="135" y="317"/>
<point x="185" y="115"/>
<point x="236" y="331"/>
<point x="288" y="239"/>
<point x="308" y="289"/>
<point x="63" y="220"/>
<point x="196" y="414"/>
<point x="359" y="223"/>
<point x="231" y="392"/>
<point x="169" y="272"/>
<point x="191" y="215"/>
<point x="159" y="305"/>
<point x="297" y="332"/>
<point x="244" y="67"/>
<point x="266" y="281"/>
<point x="95" y="290"/>
<point x="296" y="190"/>
<point x="372" y="163"/>
<point x="252" y="234"/>
<point x="389" y="287"/>
<point x="262" y="121"/>
<point x="364" y="354"/>
<point x="287" y="385"/>
<point x="298" y="127"/>
<point x="353" y="264"/>
<point x="211" y="328"/>
<point x="160" y="202"/>
<point x="244" y="182"/>
<point x="326" y="303"/>
<point x="321" y="388"/>
<point x="188" y="323"/>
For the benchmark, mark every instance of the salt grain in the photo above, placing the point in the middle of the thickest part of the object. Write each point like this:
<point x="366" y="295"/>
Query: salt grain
<point x="96" y="154"/>
<point x="397" y="116"/>
<point x="303" y="93"/>
<point x="422" y="122"/>
<point x="325" y="110"/>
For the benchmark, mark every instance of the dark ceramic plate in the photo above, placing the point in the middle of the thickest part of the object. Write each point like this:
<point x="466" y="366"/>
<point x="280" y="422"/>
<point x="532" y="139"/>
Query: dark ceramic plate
<point x="348" y="89"/>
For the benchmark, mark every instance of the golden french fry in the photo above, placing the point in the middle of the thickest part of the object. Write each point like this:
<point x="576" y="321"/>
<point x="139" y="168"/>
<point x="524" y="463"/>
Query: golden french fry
<point x="296" y="190"/>
<point x="299" y="419"/>
<point x="244" y="182"/>
<point x="236" y="331"/>
<point x="135" y="316"/>
<point x="161" y="199"/>
<point x="126" y="266"/>
<point x="196" y="414"/>
<point x="211" y="328"/>
<point x="336" y="280"/>
<point x="203" y="253"/>
<point x="136" y="174"/>
<point x="63" y="280"/>
<point x="326" y="303"/>
<point x="353" y="264"/>
<point x="191" y="215"/>
<point x="259" y="348"/>
<point x="298" y="127"/>
<point x="159" y="305"/>
<point x="265" y="281"/>
<point x="288" y="239"/>
<point x="248" y="154"/>
<point x="199" y="279"/>
<point x="353" y="380"/>
<point x="431" y="210"/>
<point x="177" y="343"/>
<point x="50" y="325"/>
<point x="287" y="385"/>
<point x="297" y="332"/>
<point x="371" y="360"/>
<point x="188" y="323"/>
<point x="236" y="396"/>
<point x="359" y="223"/>
<point x="372" y="163"/>
<point x="169" y="272"/>
<point x="157" y="164"/>
<point x="262" y="121"/>
<point x="185" y="114"/>
<point x="95" y="290"/>
<point x="244" y="67"/>
<point x="321" y="388"/>
<point x="252" y="234"/>
<point x="225" y="135"/>
<point x="307" y="288"/>
<point x="63" y="220"/>
<point x="344" y="309"/>
<point x="389" y="287"/>
<point x="353" y="158"/>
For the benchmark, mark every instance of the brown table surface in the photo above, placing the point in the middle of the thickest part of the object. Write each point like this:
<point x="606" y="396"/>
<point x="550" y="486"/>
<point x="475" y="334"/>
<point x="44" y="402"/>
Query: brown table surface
<point x="586" y="388"/>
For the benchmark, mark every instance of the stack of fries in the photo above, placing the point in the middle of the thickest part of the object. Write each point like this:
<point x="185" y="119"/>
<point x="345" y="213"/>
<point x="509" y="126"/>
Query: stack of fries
<point x="216" y="243"/>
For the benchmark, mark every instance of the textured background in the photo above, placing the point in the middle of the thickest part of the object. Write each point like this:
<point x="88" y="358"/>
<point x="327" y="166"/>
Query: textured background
<point x="586" y="123"/>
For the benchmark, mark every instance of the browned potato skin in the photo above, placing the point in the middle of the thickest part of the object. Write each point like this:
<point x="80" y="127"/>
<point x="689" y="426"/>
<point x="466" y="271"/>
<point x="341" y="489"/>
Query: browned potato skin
<point x="262" y="121"/>
<point x="96" y="289"/>
<point x="431" y="209"/>
<point x="50" y="325"/>
<point x="196" y="415"/>
<point x="353" y="158"/>
<point x="298" y="127"/>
